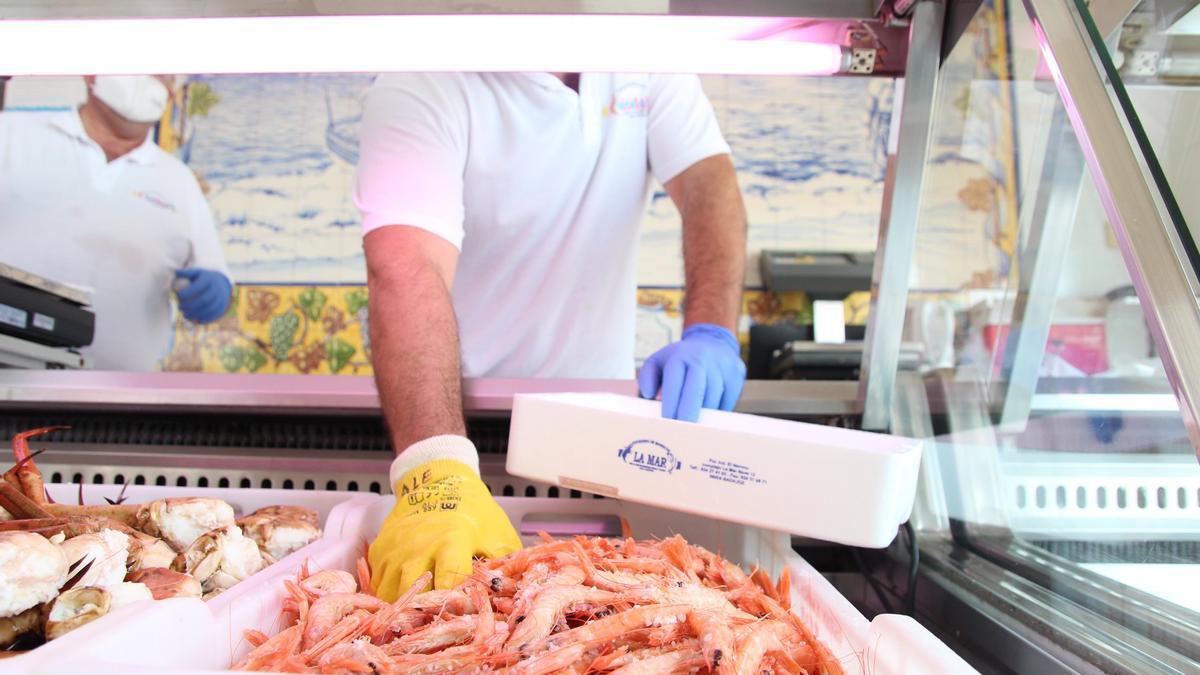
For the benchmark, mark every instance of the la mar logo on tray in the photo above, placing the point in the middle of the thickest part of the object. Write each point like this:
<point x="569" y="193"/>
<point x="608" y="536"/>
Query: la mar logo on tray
<point x="649" y="455"/>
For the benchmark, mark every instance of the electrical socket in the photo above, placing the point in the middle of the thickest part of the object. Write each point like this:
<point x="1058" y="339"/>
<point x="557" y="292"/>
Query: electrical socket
<point x="862" y="60"/>
<point x="1143" y="63"/>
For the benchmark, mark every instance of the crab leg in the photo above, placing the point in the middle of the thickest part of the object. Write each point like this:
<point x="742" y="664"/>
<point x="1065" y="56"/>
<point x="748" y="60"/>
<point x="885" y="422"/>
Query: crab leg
<point x="122" y="513"/>
<point x="20" y="506"/>
<point x="69" y="527"/>
<point x="25" y="473"/>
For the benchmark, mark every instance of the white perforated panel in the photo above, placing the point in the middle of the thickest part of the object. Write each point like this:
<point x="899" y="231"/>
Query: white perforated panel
<point x="1098" y="495"/>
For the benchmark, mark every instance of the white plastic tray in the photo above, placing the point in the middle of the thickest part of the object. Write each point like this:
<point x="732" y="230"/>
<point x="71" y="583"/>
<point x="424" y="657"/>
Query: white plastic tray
<point x="152" y="634"/>
<point x="188" y="636"/>
<point x="889" y="645"/>
<point x="841" y="485"/>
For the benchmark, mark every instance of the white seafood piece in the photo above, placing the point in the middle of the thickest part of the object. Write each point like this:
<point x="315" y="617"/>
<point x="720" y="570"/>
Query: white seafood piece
<point x="108" y="551"/>
<point x="220" y="558"/>
<point x="150" y="553"/>
<point x="75" y="608"/>
<point x="31" y="571"/>
<point x="4" y="514"/>
<point x="181" y="520"/>
<point x="127" y="593"/>
<point x="279" y="535"/>
<point x="289" y="511"/>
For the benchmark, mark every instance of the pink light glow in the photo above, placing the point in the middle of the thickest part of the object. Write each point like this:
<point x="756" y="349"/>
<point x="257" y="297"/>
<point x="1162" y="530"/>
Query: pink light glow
<point x="563" y="43"/>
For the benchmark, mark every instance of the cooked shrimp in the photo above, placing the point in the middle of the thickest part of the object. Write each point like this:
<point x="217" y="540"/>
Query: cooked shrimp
<point x="329" y="581"/>
<point x="683" y="557"/>
<point x="755" y="641"/>
<point x="452" y="601"/>
<point x="680" y="661"/>
<point x="274" y="651"/>
<point x="760" y="578"/>
<point x="490" y="635"/>
<point x="349" y="628"/>
<point x="329" y="610"/>
<point x="665" y="635"/>
<point x="807" y="649"/>
<point x="547" y="610"/>
<point x="583" y="606"/>
<point x="359" y="651"/>
<point x="699" y="597"/>
<point x="570" y="646"/>
<point x="783" y="589"/>
<point x="414" y="664"/>
<point x="513" y="564"/>
<point x="551" y="661"/>
<point x="716" y="639"/>
<point x="381" y="624"/>
<point x="435" y="636"/>
<point x="612" y="627"/>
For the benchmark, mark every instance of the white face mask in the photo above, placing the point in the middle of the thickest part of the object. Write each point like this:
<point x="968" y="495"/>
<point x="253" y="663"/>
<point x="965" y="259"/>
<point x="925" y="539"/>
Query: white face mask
<point x="137" y="98"/>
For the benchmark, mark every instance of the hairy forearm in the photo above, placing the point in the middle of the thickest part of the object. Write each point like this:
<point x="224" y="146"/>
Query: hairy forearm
<point x="714" y="241"/>
<point x="414" y="349"/>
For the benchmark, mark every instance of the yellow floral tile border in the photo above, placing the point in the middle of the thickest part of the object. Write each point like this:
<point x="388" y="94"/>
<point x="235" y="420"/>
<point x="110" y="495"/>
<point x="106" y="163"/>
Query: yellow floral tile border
<point x="322" y="330"/>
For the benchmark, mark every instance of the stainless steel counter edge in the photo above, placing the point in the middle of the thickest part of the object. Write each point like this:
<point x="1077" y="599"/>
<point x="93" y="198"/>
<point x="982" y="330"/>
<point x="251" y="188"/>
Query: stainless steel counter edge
<point x="346" y="394"/>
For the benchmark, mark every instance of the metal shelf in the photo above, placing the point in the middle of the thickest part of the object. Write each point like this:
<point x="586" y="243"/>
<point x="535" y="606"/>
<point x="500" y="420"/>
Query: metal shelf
<point x="100" y="390"/>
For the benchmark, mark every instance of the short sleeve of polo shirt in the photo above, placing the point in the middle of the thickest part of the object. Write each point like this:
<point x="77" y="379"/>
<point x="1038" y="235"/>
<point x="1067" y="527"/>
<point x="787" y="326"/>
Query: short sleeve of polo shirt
<point x="682" y="126"/>
<point x="413" y="153"/>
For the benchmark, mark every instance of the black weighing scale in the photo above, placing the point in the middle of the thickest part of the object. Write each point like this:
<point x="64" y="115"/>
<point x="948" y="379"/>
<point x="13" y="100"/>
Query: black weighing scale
<point x="42" y="322"/>
<point x="826" y="349"/>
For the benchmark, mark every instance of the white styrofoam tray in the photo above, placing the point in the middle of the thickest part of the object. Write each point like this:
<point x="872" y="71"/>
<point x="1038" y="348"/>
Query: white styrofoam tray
<point x="840" y="485"/>
<point x="141" y="633"/>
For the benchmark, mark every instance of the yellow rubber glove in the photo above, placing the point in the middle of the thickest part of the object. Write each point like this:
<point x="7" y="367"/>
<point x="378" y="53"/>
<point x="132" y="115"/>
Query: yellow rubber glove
<point x="444" y="516"/>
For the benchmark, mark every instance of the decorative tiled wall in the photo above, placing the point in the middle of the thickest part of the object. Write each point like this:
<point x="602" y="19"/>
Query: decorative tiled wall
<point x="275" y="154"/>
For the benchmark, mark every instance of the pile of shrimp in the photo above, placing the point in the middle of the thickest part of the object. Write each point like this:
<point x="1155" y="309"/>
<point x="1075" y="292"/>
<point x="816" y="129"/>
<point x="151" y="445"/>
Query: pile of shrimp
<point x="582" y="605"/>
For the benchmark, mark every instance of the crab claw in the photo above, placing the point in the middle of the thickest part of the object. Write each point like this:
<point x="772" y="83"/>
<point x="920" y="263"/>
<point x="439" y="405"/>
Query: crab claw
<point x="73" y="609"/>
<point x="220" y="558"/>
<point x="24" y="473"/>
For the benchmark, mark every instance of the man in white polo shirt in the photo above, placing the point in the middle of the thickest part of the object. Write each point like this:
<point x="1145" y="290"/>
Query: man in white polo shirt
<point x="502" y="213"/>
<point x="88" y="198"/>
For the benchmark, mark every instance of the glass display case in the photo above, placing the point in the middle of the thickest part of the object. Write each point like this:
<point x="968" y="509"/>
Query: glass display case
<point x="1033" y="306"/>
<point x="1059" y="513"/>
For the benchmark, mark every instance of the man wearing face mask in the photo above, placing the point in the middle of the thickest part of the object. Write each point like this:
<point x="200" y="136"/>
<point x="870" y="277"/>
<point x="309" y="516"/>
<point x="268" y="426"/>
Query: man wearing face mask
<point x="88" y="198"/>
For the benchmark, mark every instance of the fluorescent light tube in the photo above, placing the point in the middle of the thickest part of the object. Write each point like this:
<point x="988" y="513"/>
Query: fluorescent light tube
<point x="340" y="44"/>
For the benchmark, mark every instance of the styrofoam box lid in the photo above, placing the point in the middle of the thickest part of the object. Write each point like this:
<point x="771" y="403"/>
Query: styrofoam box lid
<point x="841" y="485"/>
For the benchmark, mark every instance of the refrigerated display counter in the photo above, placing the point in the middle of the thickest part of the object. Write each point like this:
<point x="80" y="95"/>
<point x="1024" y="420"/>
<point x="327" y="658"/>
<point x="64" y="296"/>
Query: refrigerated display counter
<point x="1057" y="520"/>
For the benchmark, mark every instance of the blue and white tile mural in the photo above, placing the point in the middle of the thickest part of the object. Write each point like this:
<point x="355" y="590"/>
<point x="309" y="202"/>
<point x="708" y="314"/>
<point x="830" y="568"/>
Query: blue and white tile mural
<point x="279" y="190"/>
<point x="277" y="154"/>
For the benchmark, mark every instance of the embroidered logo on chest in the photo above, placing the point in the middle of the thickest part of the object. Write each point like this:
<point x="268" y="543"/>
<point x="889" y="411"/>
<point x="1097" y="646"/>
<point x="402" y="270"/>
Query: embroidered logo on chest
<point x="154" y="199"/>
<point x="631" y="100"/>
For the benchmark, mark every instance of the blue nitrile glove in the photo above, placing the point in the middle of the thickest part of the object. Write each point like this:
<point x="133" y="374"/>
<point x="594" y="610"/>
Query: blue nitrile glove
<point x="703" y="369"/>
<point x="206" y="296"/>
